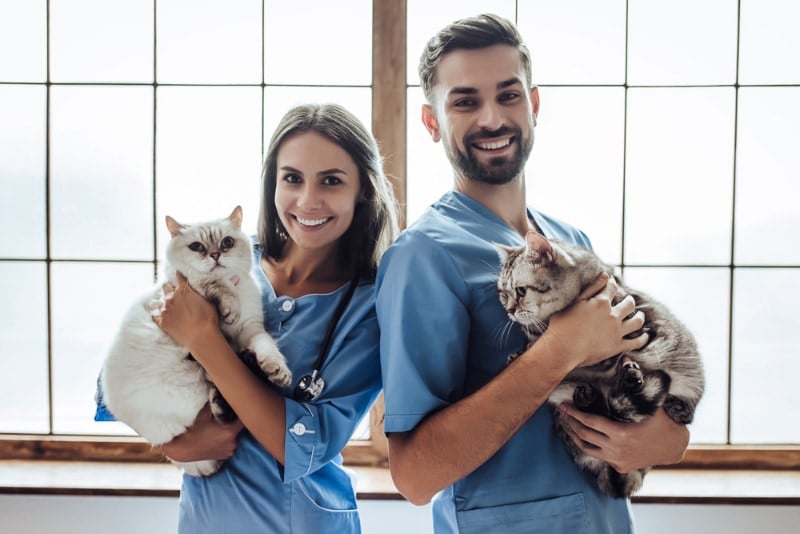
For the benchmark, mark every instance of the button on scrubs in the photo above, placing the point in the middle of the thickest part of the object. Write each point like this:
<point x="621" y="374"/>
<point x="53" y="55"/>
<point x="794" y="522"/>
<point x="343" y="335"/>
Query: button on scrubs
<point x="313" y="492"/>
<point x="444" y="334"/>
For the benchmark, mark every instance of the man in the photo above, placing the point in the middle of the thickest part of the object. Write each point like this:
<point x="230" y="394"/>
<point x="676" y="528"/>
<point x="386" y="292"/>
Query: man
<point x="463" y="424"/>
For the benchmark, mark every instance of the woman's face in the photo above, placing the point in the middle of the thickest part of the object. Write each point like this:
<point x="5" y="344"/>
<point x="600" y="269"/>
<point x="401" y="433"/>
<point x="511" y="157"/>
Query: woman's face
<point x="316" y="190"/>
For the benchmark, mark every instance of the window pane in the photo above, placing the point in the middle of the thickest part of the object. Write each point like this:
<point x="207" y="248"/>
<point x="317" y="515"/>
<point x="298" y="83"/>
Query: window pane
<point x="22" y="171"/>
<point x="575" y="170"/>
<point x="424" y="18"/>
<point x="766" y="399"/>
<point x="429" y="174"/>
<point x="208" y="154"/>
<point x="332" y="44"/>
<point x="97" y="40"/>
<point x="278" y="100"/>
<point x="207" y="41"/>
<point x="769" y="43"/>
<point x="699" y="299"/>
<point x="23" y="40"/>
<point x="682" y="42"/>
<point x="88" y="303"/>
<point x="23" y="345"/>
<point x="101" y="172"/>
<point x="557" y="34"/>
<point x="768" y="166"/>
<point x="679" y="172"/>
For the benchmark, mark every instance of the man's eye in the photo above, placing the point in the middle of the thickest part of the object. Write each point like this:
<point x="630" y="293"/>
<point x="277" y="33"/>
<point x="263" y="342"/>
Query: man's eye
<point x="197" y="247"/>
<point x="509" y="97"/>
<point x="464" y="103"/>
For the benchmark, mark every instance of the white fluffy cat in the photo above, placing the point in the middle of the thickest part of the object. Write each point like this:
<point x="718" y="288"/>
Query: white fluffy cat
<point x="153" y="384"/>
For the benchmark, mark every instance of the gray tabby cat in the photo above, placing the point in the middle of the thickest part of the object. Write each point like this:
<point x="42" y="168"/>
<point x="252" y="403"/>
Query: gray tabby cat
<point x="153" y="384"/>
<point x="545" y="277"/>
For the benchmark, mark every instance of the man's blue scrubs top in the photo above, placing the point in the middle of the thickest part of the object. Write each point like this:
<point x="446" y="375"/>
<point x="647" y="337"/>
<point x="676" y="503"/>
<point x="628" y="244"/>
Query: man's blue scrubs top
<point x="444" y="334"/>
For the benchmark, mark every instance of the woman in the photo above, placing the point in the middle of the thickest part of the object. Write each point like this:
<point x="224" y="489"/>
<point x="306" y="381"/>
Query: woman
<point x="327" y="215"/>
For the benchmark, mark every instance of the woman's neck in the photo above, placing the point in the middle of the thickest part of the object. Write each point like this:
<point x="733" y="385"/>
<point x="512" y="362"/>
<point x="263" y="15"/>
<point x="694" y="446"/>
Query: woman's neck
<point x="299" y="273"/>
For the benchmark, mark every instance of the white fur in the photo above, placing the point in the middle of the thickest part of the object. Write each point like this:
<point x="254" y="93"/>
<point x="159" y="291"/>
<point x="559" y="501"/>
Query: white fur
<point x="148" y="381"/>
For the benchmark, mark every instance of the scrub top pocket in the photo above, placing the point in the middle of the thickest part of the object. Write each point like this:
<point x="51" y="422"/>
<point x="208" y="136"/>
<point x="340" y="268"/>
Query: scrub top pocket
<point x="560" y="515"/>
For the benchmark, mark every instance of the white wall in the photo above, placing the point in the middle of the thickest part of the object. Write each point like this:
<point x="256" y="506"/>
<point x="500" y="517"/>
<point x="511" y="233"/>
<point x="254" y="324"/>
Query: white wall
<point x="34" y="514"/>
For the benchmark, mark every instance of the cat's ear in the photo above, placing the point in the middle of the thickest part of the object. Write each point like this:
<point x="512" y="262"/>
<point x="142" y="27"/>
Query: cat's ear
<point x="539" y="247"/>
<point x="236" y="217"/>
<point x="174" y="226"/>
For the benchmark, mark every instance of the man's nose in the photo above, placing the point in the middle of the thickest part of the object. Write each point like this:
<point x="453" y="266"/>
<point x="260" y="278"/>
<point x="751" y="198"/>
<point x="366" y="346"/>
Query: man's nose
<point x="491" y="116"/>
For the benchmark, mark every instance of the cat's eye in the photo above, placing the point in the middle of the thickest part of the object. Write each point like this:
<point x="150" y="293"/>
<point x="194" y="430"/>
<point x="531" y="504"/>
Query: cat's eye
<point x="227" y="243"/>
<point x="521" y="291"/>
<point x="197" y="247"/>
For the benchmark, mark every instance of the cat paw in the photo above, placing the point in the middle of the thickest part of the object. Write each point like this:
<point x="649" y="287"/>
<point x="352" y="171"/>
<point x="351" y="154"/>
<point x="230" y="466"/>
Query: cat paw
<point x="279" y="374"/>
<point x="632" y="379"/>
<point x="679" y="410"/>
<point x="583" y="396"/>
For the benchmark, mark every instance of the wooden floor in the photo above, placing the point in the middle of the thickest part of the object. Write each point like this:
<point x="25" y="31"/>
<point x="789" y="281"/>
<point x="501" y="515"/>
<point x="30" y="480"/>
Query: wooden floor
<point x="144" y="479"/>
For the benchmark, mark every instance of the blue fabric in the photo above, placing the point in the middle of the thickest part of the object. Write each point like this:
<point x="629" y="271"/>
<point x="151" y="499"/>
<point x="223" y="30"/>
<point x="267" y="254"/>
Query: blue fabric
<point x="444" y="334"/>
<point x="313" y="492"/>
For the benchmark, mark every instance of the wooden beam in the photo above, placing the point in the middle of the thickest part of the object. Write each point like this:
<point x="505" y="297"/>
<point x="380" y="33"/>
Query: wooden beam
<point x="389" y="86"/>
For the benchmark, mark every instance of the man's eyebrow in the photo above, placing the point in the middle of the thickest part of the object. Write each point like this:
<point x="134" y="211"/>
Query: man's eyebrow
<point x="471" y="90"/>
<point x="509" y="83"/>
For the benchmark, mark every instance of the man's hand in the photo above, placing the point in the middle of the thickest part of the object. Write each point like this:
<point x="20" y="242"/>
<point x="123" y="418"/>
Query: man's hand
<point x="593" y="329"/>
<point x="658" y="440"/>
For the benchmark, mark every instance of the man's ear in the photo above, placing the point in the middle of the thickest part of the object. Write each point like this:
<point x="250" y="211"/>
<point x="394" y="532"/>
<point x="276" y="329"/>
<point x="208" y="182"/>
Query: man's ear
<point x="430" y="122"/>
<point x="535" y="103"/>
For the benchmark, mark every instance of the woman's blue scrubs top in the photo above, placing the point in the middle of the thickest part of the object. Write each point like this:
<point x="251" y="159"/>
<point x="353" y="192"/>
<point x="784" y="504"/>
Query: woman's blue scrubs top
<point x="313" y="492"/>
<point x="444" y="334"/>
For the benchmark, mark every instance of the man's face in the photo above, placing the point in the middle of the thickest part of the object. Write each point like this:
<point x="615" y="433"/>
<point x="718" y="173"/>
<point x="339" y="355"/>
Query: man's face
<point x="484" y="113"/>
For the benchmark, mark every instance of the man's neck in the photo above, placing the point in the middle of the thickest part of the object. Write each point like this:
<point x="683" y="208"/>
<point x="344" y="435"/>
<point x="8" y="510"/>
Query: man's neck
<point x="506" y="201"/>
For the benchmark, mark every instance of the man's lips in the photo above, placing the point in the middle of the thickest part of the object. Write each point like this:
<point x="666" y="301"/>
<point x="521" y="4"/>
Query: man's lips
<point x="494" y="144"/>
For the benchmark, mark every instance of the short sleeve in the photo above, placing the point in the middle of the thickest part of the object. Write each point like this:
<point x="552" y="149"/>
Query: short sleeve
<point x="422" y="312"/>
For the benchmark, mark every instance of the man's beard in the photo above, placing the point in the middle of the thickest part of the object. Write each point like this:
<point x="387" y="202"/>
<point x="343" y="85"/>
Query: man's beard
<point x="498" y="171"/>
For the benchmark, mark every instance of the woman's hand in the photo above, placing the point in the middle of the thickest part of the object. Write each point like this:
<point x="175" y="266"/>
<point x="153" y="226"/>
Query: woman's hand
<point x="658" y="440"/>
<point x="206" y="439"/>
<point x="186" y="316"/>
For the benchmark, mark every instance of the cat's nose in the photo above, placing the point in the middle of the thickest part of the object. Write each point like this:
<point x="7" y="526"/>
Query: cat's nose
<point x="215" y="255"/>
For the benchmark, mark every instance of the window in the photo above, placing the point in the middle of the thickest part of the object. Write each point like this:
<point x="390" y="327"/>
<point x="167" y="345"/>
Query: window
<point x="670" y="140"/>
<point x="667" y="138"/>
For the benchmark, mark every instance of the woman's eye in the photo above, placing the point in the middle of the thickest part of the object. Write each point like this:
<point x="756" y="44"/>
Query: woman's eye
<point x="331" y="180"/>
<point x="522" y="291"/>
<point x="227" y="242"/>
<point x="197" y="247"/>
<point x="292" y="178"/>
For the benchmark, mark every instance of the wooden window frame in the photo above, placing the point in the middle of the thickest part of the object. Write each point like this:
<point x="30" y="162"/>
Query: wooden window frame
<point x="389" y="112"/>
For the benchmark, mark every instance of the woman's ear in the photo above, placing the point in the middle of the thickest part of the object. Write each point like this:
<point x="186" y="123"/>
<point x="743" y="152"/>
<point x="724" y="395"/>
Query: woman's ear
<point x="430" y="122"/>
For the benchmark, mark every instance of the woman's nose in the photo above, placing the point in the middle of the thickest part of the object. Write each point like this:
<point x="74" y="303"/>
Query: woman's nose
<point x="309" y="198"/>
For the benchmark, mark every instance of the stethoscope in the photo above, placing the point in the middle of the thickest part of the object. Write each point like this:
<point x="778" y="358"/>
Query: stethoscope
<point x="311" y="385"/>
